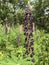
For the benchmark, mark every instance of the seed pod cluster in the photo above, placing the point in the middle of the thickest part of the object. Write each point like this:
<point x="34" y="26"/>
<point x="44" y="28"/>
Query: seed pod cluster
<point x="28" y="32"/>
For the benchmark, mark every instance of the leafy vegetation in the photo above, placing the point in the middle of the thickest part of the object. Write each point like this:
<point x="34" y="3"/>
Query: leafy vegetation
<point x="12" y="42"/>
<point x="12" y="52"/>
<point x="41" y="15"/>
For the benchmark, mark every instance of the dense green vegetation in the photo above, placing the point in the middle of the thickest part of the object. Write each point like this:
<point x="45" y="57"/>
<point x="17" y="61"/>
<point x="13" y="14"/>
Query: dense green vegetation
<point x="41" y="14"/>
<point x="12" y="50"/>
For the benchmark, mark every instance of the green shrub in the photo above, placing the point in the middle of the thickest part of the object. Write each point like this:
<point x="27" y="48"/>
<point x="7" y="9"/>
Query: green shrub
<point x="41" y="46"/>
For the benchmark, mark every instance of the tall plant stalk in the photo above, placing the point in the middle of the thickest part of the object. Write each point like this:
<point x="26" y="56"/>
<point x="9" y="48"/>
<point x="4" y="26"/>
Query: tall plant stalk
<point x="28" y="32"/>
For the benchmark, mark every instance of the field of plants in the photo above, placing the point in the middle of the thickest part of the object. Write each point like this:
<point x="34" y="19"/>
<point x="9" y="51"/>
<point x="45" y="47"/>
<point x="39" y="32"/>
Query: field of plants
<point x="12" y="51"/>
<point x="24" y="32"/>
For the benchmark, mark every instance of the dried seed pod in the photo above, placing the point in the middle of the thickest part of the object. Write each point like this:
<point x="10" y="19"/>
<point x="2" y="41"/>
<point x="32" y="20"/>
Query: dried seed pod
<point x="31" y="43"/>
<point x="25" y="18"/>
<point x="25" y="23"/>
<point x="26" y="46"/>
<point x="28" y="32"/>
<point x="26" y="52"/>
<point x="33" y="60"/>
<point x="25" y="29"/>
<point x="25" y="39"/>
<point x="32" y="48"/>
<point x="31" y="55"/>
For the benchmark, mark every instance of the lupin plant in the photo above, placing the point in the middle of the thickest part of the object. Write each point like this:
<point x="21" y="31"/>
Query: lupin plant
<point x="28" y="32"/>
